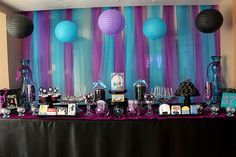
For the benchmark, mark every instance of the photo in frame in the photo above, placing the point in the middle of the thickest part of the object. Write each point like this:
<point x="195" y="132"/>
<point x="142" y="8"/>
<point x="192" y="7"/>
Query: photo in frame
<point x="62" y="111"/>
<point x="11" y="101"/>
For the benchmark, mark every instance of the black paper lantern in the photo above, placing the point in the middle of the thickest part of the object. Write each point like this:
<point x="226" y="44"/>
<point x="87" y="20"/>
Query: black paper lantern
<point x="20" y="26"/>
<point x="209" y="20"/>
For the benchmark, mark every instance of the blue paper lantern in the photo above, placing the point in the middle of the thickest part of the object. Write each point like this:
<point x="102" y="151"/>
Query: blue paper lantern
<point x="66" y="31"/>
<point x="154" y="28"/>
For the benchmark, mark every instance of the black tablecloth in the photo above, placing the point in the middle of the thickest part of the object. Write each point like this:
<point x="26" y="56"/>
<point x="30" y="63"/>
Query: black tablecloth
<point x="128" y="138"/>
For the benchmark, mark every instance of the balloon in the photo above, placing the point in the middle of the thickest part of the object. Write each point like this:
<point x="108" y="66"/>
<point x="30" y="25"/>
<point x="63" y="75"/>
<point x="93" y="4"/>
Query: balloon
<point x="209" y="20"/>
<point x="154" y="28"/>
<point x="20" y="26"/>
<point x="66" y="31"/>
<point x="111" y="22"/>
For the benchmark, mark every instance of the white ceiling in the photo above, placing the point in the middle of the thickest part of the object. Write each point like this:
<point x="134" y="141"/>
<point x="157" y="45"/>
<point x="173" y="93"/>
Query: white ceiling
<point x="30" y="5"/>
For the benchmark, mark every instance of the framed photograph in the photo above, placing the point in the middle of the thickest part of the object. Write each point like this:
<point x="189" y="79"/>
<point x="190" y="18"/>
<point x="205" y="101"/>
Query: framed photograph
<point x="11" y="101"/>
<point x="71" y="109"/>
<point x="62" y="111"/>
<point x="43" y="109"/>
<point x="228" y="100"/>
<point x="117" y="82"/>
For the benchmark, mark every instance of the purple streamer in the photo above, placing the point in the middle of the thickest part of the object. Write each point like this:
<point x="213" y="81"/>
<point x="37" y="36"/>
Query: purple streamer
<point x="217" y="37"/>
<point x="171" y="63"/>
<point x="69" y="61"/>
<point x="26" y="42"/>
<point x="119" y="52"/>
<point x="44" y="51"/>
<point x="97" y="45"/>
<point x="142" y="54"/>
<point x="199" y="63"/>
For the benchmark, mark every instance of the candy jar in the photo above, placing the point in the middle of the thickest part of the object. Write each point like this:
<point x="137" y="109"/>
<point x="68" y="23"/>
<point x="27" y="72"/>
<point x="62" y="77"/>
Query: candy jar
<point x="34" y="109"/>
<point x="230" y="111"/>
<point x="88" y="101"/>
<point x="140" y="89"/>
<point x="20" y="110"/>
<point x="102" y="108"/>
<point x="99" y="91"/>
<point x="5" y="112"/>
<point x="149" y="100"/>
<point x="133" y="108"/>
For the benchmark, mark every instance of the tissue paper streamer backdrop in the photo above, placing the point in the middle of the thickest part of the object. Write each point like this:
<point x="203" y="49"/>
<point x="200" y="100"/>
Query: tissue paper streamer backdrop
<point x="183" y="53"/>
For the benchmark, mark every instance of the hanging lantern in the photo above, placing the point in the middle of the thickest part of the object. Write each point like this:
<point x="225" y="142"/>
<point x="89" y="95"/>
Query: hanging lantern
<point x="154" y="28"/>
<point x="209" y="20"/>
<point x="111" y="22"/>
<point x="66" y="31"/>
<point x="20" y="26"/>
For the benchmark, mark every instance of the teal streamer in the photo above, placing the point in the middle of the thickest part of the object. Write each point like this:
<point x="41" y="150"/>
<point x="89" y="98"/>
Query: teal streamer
<point x="108" y="45"/>
<point x="35" y="56"/>
<point x="82" y="54"/>
<point x="208" y="46"/>
<point x="130" y="55"/>
<point x="156" y="53"/>
<point x="108" y="54"/>
<point x="186" y="47"/>
<point x="57" y="52"/>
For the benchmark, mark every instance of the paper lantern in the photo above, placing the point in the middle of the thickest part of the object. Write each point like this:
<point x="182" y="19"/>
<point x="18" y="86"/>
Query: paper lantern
<point x="66" y="31"/>
<point x="209" y="20"/>
<point x="154" y="28"/>
<point x="20" y="26"/>
<point x="111" y="22"/>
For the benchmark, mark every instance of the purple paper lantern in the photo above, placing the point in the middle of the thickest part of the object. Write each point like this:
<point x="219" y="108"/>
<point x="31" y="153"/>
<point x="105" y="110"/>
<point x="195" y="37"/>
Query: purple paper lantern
<point x="111" y="22"/>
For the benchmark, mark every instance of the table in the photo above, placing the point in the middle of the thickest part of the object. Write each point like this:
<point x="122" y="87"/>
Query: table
<point x="77" y="137"/>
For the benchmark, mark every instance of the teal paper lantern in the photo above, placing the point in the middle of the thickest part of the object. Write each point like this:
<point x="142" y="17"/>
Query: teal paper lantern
<point x="154" y="28"/>
<point x="66" y="31"/>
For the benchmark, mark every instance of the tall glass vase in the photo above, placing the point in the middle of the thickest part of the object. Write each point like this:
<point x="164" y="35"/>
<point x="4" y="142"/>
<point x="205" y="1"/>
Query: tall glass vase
<point x="27" y="95"/>
<point x="217" y="82"/>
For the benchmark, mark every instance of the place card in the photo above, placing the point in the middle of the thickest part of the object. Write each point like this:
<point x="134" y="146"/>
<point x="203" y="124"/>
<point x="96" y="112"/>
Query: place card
<point x="164" y="109"/>
<point x="175" y="110"/>
<point x="185" y="110"/>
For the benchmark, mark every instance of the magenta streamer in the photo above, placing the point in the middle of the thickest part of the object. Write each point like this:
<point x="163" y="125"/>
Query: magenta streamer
<point x="217" y="37"/>
<point x="26" y="42"/>
<point x="171" y="63"/>
<point x="69" y="61"/>
<point x="119" y="52"/>
<point x="142" y="54"/>
<point x="198" y="53"/>
<point x="44" y="49"/>
<point x="97" y="45"/>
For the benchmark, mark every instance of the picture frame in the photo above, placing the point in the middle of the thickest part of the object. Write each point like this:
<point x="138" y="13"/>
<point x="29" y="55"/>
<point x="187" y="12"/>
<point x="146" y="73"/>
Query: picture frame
<point x="228" y="99"/>
<point x="11" y="101"/>
<point x="62" y="111"/>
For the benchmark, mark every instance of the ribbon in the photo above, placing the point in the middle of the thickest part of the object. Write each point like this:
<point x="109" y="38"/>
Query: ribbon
<point x="99" y="85"/>
<point x="18" y="72"/>
<point x="140" y="82"/>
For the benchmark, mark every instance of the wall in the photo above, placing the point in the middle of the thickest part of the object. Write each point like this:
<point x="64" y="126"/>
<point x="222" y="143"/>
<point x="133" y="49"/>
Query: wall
<point x="12" y="54"/>
<point x="228" y="50"/>
<point x="233" y="69"/>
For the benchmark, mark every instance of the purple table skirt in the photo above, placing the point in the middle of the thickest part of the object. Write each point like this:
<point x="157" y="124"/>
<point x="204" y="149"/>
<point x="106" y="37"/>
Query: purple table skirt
<point x="125" y="116"/>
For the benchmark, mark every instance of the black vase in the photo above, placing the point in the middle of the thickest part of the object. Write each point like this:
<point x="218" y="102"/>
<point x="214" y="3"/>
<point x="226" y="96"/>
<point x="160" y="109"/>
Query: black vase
<point x="99" y="94"/>
<point x="140" y="90"/>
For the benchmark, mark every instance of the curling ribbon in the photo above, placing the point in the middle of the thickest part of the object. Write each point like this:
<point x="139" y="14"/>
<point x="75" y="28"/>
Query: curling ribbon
<point x="99" y="84"/>
<point x="18" y="72"/>
<point x="141" y="82"/>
